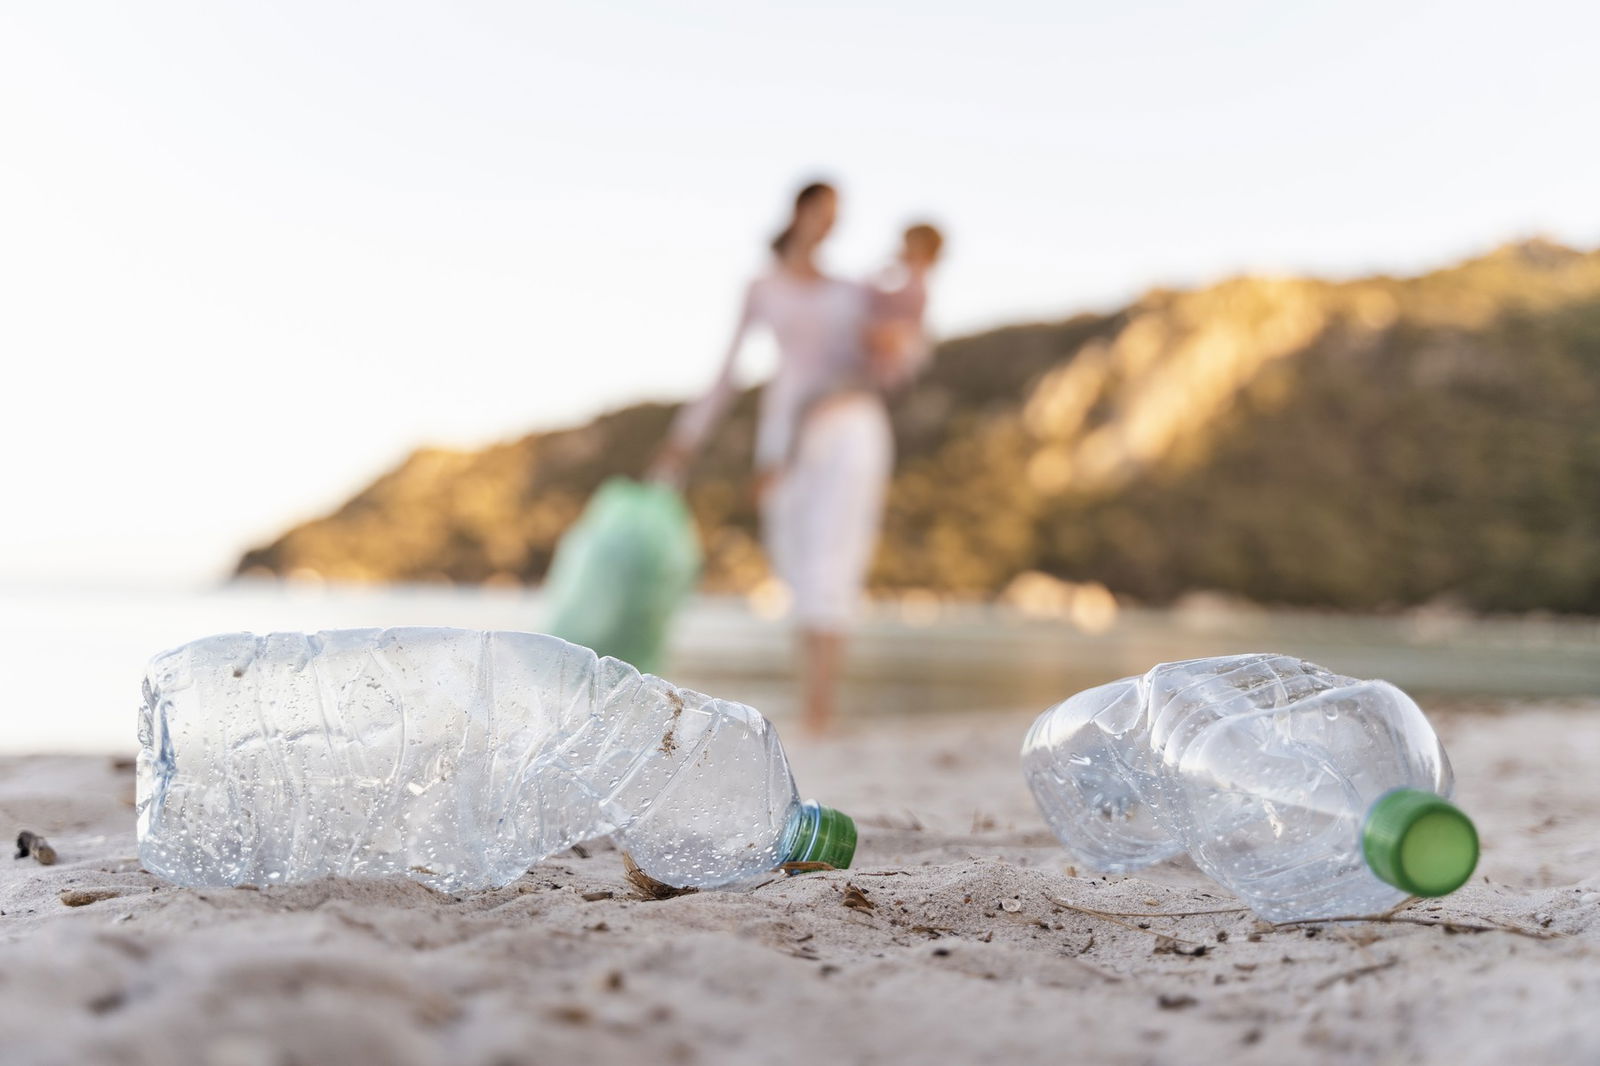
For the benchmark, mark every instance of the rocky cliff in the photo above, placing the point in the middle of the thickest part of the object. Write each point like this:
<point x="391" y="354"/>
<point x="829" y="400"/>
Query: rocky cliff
<point x="1361" y="444"/>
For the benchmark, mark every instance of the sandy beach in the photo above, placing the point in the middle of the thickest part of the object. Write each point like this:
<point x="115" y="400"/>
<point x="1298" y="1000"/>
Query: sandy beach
<point x="961" y="935"/>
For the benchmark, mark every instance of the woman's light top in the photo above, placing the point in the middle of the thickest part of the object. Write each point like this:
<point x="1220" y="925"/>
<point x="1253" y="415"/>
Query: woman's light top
<point x="818" y="326"/>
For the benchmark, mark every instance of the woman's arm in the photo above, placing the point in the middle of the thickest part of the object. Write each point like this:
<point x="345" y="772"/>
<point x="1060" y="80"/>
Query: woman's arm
<point x="696" y="420"/>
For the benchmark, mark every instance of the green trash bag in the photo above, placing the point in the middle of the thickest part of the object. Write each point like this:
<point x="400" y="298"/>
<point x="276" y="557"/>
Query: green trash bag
<point x="622" y="569"/>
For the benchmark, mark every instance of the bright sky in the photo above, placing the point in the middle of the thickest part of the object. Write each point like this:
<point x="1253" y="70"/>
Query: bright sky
<point x="251" y="254"/>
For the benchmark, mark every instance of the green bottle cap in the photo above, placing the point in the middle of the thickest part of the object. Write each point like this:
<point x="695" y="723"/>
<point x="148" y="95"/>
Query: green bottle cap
<point x="823" y="835"/>
<point x="1420" y="843"/>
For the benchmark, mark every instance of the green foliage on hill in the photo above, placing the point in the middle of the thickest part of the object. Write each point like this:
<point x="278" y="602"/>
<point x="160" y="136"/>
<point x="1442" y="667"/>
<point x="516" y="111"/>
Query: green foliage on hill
<point x="1364" y="444"/>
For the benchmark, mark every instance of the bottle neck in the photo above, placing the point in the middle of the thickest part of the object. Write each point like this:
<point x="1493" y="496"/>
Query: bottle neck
<point x="1419" y="842"/>
<point x="820" y="834"/>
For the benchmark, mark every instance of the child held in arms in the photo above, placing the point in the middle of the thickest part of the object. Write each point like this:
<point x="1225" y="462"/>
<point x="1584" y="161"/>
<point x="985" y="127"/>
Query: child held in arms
<point x="896" y="342"/>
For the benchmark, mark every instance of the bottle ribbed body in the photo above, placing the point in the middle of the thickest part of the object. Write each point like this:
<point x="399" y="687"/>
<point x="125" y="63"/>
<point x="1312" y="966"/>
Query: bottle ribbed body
<point x="455" y="757"/>
<point x="1263" y="768"/>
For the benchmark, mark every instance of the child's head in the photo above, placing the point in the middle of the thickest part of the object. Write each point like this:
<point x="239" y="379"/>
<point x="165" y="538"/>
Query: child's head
<point x="921" y="247"/>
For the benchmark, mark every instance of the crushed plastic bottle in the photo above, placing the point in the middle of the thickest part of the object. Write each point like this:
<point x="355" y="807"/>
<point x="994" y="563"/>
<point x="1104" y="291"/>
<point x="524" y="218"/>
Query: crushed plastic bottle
<point x="1308" y="794"/>
<point x="455" y="757"/>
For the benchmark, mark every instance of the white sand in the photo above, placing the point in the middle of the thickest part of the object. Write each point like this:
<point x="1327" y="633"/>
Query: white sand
<point x="964" y="956"/>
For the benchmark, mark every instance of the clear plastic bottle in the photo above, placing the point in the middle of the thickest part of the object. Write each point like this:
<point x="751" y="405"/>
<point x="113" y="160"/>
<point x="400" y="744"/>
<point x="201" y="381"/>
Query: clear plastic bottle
<point x="1309" y="795"/>
<point x="456" y="757"/>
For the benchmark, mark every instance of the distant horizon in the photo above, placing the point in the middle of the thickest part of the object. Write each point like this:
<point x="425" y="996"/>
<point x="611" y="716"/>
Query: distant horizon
<point x="1414" y="266"/>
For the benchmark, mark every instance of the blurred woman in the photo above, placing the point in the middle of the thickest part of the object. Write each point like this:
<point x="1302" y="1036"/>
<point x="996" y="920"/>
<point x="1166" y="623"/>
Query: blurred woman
<point x="823" y="447"/>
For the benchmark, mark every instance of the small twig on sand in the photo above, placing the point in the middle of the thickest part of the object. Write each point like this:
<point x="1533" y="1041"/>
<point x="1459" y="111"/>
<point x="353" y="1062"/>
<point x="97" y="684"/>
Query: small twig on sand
<point x="790" y="869"/>
<point x="37" y="846"/>
<point x="856" y="899"/>
<point x="82" y="897"/>
<point x="1448" y="925"/>
<point x="1114" y="919"/>
<point x="1351" y="975"/>
<point x="648" y="886"/>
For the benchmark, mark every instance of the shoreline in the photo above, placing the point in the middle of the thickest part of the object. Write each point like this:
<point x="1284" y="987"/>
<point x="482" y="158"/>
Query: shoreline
<point x="87" y="654"/>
